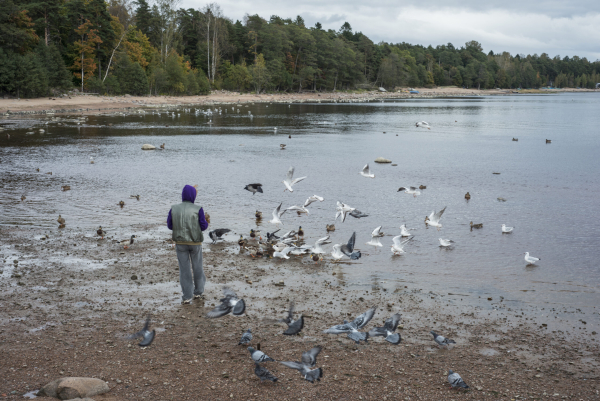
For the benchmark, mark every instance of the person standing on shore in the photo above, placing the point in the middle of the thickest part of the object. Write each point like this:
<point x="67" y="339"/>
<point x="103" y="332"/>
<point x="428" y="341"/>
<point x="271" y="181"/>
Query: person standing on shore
<point x="187" y="222"/>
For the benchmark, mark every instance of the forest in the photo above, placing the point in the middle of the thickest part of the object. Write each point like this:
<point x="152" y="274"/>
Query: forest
<point x="121" y="47"/>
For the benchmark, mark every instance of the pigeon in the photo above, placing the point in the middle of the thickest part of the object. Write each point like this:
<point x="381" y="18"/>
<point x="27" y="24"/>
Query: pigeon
<point x="366" y="172"/>
<point x="348" y="249"/>
<point x="277" y="213"/>
<point x="441" y="340"/>
<point x="246" y="338"/>
<point x="259" y="356"/>
<point x="530" y="259"/>
<point x="254" y="188"/>
<point x="388" y="330"/>
<point x="272" y="236"/>
<point x="357" y="214"/>
<point x="288" y="182"/>
<point x="410" y="190"/>
<point x="506" y="230"/>
<point x="422" y="124"/>
<point x="216" y="235"/>
<point x="375" y="235"/>
<point x="309" y="359"/>
<point x="434" y="218"/>
<point x="263" y="374"/>
<point x="145" y="333"/>
<point x="294" y="326"/>
<point x="398" y="247"/>
<point x="455" y="380"/>
<point x="445" y="242"/>
<point x="231" y="303"/>
<point x="353" y="327"/>
<point x="284" y="253"/>
<point x="126" y="243"/>
<point x="317" y="249"/>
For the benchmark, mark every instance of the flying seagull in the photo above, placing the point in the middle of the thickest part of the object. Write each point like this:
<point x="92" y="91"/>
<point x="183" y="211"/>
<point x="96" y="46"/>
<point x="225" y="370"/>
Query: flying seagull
<point x="404" y="231"/>
<point x="456" y="381"/>
<point x="246" y="338"/>
<point x="343" y="210"/>
<point x="145" y="334"/>
<point x="388" y="330"/>
<point x="277" y="213"/>
<point x="414" y="191"/>
<point x="506" y="230"/>
<point x="366" y="172"/>
<point x="398" y="247"/>
<point x="263" y="373"/>
<point x="317" y="247"/>
<point x="230" y="303"/>
<point x="422" y="124"/>
<point x="441" y="340"/>
<point x="351" y="328"/>
<point x="434" y="218"/>
<point x="284" y="253"/>
<point x="216" y="235"/>
<point x="294" y="326"/>
<point x="254" y="188"/>
<point x="312" y="199"/>
<point x="530" y="259"/>
<point x="309" y="359"/>
<point x="375" y="235"/>
<point x="259" y="356"/>
<point x="289" y="182"/>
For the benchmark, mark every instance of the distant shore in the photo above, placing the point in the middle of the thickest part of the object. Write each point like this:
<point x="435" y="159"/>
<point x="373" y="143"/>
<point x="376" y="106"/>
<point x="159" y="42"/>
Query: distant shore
<point x="96" y="104"/>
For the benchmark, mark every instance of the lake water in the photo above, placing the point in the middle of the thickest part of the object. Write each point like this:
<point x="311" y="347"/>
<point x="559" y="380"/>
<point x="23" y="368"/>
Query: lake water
<point x="552" y="190"/>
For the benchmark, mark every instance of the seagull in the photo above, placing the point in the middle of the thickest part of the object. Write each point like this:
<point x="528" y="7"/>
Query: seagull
<point x="388" y="330"/>
<point x="455" y="380"/>
<point x="259" y="356"/>
<point x="277" y="213"/>
<point x="357" y="214"/>
<point x="216" y="235"/>
<point x="366" y="172"/>
<point x="434" y="218"/>
<point x="445" y="242"/>
<point x="410" y="190"/>
<point x="312" y="199"/>
<point x="290" y="234"/>
<point x="352" y="327"/>
<point x="299" y="209"/>
<point x="294" y="326"/>
<point x="246" y="338"/>
<point x="145" y="333"/>
<point x="288" y="182"/>
<point x="404" y="231"/>
<point x="272" y="236"/>
<point x="337" y="252"/>
<point x="283" y="254"/>
<point x="343" y="210"/>
<point x="231" y="303"/>
<point x="254" y="188"/>
<point x="263" y="373"/>
<point x="506" y="230"/>
<point x="126" y="243"/>
<point x="530" y="259"/>
<point x="375" y="235"/>
<point x="317" y="249"/>
<point x="397" y="248"/>
<point x="309" y="359"/>
<point x="348" y="249"/>
<point x="422" y="124"/>
<point x="441" y="340"/>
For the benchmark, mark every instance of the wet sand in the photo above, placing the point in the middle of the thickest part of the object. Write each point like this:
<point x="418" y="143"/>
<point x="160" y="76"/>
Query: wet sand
<point x="95" y="104"/>
<point x="71" y="299"/>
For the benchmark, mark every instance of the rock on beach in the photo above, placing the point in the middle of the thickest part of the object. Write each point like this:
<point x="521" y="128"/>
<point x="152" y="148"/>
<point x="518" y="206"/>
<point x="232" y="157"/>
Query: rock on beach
<point x="69" y="388"/>
<point x="148" y="147"/>
<point x="382" y="160"/>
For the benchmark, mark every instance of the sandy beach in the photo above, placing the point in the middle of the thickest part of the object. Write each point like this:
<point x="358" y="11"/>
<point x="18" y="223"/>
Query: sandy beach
<point x="72" y="298"/>
<point x="94" y="104"/>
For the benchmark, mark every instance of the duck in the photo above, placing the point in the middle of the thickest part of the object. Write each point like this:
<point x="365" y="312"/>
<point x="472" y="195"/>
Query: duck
<point x="282" y="146"/>
<point x="330" y="227"/>
<point x="242" y="241"/>
<point x="162" y="146"/>
<point x="478" y="225"/>
<point x="258" y="215"/>
<point x="255" y="252"/>
<point x="207" y="218"/>
<point x="300" y="232"/>
<point x="23" y="198"/>
<point x="37" y="169"/>
<point x="289" y="136"/>
<point x="126" y="243"/>
<point x="422" y="186"/>
<point x="252" y="233"/>
<point x="515" y="139"/>
<point x="65" y="187"/>
<point x="49" y="172"/>
<point x="121" y="204"/>
<point x="60" y="220"/>
<point x="134" y="196"/>
<point x="316" y="258"/>
<point x="101" y="232"/>
<point x="467" y="196"/>
<point x="548" y="141"/>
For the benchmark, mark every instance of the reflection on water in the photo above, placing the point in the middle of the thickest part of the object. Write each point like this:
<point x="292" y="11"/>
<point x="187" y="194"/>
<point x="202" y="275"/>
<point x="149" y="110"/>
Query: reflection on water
<point x="551" y="190"/>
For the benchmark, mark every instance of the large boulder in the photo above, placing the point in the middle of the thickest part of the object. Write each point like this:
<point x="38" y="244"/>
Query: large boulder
<point x="382" y="160"/>
<point x="148" y="147"/>
<point x="69" y="388"/>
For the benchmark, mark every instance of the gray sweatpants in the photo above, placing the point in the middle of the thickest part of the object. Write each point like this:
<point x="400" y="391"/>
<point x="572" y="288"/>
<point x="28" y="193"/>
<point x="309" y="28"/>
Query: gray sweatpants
<point x="191" y="278"/>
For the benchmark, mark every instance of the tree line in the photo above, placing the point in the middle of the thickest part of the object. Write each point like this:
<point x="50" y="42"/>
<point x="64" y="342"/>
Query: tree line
<point x="138" y="48"/>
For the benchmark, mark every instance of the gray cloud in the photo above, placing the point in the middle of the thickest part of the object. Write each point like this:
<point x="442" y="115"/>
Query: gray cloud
<point x="554" y="27"/>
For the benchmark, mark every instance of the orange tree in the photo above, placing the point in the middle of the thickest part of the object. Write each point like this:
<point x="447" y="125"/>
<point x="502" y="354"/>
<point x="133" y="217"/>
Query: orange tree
<point x="85" y="46"/>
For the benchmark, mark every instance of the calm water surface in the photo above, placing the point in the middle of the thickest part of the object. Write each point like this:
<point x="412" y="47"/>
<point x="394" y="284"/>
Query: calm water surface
<point x="552" y="190"/>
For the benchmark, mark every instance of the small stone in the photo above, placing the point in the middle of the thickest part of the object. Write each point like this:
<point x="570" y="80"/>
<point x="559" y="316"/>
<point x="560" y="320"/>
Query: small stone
<point x="134" y="277"/>
<point x="382" y="160"/>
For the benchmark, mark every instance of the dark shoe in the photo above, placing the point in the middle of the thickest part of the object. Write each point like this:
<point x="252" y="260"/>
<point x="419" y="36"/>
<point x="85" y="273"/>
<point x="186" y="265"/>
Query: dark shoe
<point x="186" y="302"/>
<point x="201" y="296"/>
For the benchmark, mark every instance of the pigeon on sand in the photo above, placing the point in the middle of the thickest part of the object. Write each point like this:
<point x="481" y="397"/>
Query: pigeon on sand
<point x="229" y="304"/>
<point x="259" y="356"/>
<point x="263" y="374"/>
<point x="309" y="359"/>
<point x="456" y="381"/>
<point x="388" y="330"/>
<point x="351" y="328"/>
<point x="145" y="333"/>
<point x="441" y="340"/>
<point x="246" y="338"/>
<point x="294" y="326"/>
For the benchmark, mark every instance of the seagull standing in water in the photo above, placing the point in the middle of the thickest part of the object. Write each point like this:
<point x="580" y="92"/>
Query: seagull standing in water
<point x="530" y="259"/>
<point x="506" y="230"/>
<point x="398" y="247"/>
<point x="277" y="213"/>
<point x="289" y="182"/>
<point x="434" y="218"/>
<point x="366" y="172"/>
<point x="375" y="237"/>
<point x="445" y="242"/>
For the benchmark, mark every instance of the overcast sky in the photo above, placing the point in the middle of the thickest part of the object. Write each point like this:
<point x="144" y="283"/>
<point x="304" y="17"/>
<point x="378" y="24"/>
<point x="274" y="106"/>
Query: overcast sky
<point x="556" y="27"/>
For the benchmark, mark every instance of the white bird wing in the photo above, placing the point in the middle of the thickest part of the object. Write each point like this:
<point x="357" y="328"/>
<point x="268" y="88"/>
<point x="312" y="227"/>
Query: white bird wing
<point x="287" y="250"/>
<point x="317" y="197"/>
<point x="297" y="180"/>
<point x="309" y="201"/>
<point x="365" y="169"/>
<point x="277" y="212"/>
<point x="323" y="241"/>
<point x="397" y="240"/>
<point x="376" y="232"/>
<point x="290" y="175"/>
<point x="435" y="218"/>
<point x="295" y="208"/>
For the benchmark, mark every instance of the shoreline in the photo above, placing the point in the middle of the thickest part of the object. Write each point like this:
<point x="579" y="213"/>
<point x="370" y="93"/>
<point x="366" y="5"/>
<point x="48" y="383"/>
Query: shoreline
<point x="71" y="298"/>
<point x="85" y="104"/>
